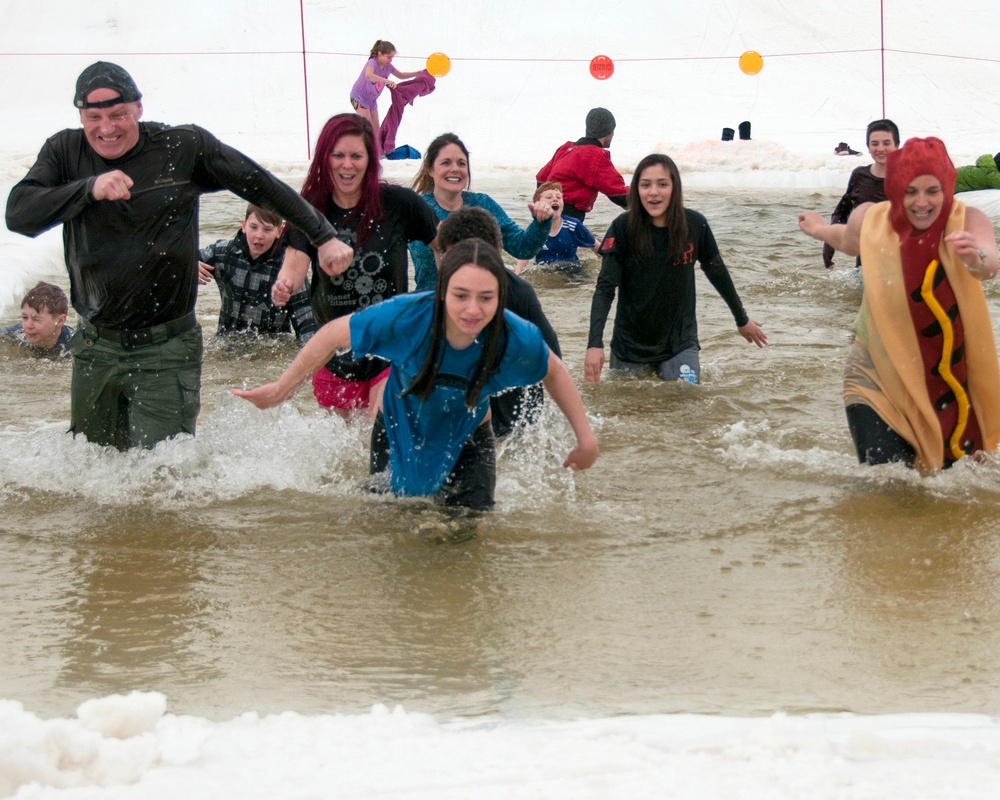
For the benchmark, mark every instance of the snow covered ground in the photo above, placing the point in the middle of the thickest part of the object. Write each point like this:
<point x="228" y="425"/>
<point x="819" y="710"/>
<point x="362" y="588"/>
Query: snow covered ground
<point x="126" y="747"/>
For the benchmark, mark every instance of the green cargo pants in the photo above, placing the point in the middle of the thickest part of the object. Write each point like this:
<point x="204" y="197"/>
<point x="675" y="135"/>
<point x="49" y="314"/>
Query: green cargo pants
<point x="134" y="396"/>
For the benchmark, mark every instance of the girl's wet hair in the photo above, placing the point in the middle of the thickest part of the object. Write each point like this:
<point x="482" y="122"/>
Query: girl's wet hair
<point x="46" y="297"/>
<point x="424" y="183"/>
<point x="318" y="186"/>
<point x="477" y="253"/>
<point x="639" y="225"/>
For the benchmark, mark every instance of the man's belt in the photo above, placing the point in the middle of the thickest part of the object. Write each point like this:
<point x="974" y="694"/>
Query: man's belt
<point x="144" y="336"/>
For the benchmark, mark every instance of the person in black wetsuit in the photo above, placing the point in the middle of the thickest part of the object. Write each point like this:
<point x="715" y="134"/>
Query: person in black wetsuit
<point x="126" y="193"/>
<point x="649" y="254"/>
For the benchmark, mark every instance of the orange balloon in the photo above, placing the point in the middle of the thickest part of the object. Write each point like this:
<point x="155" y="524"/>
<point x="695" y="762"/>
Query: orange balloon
<point x="751" y="62"/>
<point x="438" y="64"/>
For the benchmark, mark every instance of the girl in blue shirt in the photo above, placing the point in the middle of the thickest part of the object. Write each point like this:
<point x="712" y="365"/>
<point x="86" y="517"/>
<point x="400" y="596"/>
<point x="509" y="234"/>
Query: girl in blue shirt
<point x="449" y="351"/>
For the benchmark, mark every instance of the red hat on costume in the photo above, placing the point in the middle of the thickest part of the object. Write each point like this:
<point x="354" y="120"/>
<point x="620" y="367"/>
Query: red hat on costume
<point x="915" y="158"/>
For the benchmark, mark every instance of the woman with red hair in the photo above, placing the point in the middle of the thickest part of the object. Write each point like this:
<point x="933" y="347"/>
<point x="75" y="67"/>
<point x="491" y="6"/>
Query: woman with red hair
<point x="922" y="381"/>
<point x="378" y="220"/>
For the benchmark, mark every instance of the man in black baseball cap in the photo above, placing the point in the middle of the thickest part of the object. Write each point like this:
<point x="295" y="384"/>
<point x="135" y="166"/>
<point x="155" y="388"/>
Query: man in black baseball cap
<point x="110" y="109"/>
<point x="105" y="75"/>
<point x="126" y="193"/>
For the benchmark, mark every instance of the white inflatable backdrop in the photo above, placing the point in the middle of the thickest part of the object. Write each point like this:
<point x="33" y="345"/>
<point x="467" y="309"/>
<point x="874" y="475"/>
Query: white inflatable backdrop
<point x="265" y="74"/>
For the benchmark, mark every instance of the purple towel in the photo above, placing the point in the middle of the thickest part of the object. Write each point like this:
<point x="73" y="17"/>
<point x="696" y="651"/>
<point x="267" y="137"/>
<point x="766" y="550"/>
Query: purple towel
<point x="402" y="95"/>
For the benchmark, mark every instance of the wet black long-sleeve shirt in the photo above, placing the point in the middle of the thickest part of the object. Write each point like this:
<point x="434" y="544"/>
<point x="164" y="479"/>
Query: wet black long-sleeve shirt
<point x="134" y="263"/>
<point x="655" y="319"/>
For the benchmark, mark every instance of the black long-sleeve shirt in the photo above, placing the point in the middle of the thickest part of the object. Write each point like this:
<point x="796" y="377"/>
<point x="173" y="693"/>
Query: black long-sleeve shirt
<point x="656" y="319"/>
<point x="134" y="263"/>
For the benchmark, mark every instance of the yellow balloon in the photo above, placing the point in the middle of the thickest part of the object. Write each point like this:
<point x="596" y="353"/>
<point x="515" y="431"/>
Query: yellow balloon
<point x="751" y="62"/>
<point x="438" y="64"/>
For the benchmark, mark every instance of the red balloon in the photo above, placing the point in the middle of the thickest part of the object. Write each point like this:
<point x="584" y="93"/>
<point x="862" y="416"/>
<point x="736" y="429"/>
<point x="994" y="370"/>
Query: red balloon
<point x="602" y="67"/>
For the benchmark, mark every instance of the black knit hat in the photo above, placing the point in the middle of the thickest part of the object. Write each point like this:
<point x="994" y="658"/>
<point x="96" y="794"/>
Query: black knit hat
<point x="105" y="75"/>
<point x="600" y="122"/>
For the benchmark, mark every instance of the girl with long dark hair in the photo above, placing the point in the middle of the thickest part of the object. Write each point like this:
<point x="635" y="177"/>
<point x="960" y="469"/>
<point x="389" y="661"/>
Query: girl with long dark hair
<point x="450" y="350"/>
<point x="649" y="254"/>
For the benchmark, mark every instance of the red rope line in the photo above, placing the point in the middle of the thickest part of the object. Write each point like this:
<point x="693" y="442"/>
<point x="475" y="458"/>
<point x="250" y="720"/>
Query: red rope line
<point x="616" y="60"/>
<point x="472" y="59"/>
<point x="116" y="54"/>
<point x="945" y="55"/>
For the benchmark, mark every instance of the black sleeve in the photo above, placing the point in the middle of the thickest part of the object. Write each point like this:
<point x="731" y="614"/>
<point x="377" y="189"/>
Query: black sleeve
<point x="846" y="204"/>
<point x="534" y="314"/>
<point x="720" y="278"/>
<point x="620" y="200"/>
<point x="297" y="240"/>
<point x="548" y="332"/>
<point x="44" y="198"/>
<point x="228" y="168"/>
<point x="827" y="255"/>
<point x="422" y="223"/>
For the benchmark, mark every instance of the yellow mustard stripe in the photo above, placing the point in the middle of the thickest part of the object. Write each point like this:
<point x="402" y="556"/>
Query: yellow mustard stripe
<point x="944" y="367"/>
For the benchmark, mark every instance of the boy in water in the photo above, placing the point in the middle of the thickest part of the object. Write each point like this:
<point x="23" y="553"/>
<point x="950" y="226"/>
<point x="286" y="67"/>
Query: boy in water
<point x="559" y="250"/>
<point x="245" y="268"/>
<point x="43" y="320"/>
